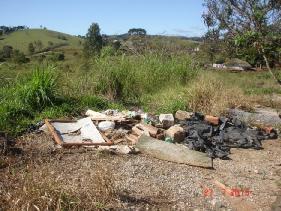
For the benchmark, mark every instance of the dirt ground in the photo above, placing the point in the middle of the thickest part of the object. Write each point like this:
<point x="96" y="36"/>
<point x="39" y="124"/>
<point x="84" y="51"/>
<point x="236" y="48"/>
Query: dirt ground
<point x="138" y="182"/>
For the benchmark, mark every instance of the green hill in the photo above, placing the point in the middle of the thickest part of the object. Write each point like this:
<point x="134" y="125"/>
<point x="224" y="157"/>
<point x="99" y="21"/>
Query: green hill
<point x="20" y="39"/>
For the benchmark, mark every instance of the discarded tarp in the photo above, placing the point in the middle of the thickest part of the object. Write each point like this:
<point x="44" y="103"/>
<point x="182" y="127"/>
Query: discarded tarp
<point x="172" y="152"/>
<point x="216" y="140"/>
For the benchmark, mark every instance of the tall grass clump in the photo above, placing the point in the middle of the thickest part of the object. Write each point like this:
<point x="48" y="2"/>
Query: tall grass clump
<point x="23" y="99"/>
<point x="126" y="78"/>
<point x="40" y="90"/>
<point x="210" y="95"/>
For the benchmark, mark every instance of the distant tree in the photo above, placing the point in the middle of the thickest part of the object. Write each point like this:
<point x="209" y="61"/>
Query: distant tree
<point x="93" y="41"/>
<point x="7" y="51"/>
<point x="31" y="48"/>
<point x="137" y="31"/>
<point x="247" y="25"/>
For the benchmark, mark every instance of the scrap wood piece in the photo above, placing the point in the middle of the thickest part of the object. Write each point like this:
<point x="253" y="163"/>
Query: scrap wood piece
<point x="137" y="131"/>
<point x="172" y="152"/>
<point x="132" y="138"/>
<point x="235" y="202"/>
<point x="54" y="133"/>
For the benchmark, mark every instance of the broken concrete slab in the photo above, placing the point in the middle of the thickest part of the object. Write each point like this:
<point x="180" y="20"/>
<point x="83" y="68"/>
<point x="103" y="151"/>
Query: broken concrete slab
<point x="172" y="152"/>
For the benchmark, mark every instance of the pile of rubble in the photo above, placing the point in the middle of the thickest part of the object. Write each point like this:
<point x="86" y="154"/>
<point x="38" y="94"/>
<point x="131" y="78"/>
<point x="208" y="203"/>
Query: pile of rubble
<point x="121" y="131"/>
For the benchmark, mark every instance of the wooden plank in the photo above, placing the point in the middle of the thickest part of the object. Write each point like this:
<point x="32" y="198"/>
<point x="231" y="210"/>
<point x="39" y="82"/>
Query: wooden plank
<point x="54" y="133"/>
<point x="87" y="144"/>
<point x="108" y="119"/>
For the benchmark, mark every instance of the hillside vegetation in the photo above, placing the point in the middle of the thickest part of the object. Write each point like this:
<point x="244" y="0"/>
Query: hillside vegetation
<point x="20" y="39"/>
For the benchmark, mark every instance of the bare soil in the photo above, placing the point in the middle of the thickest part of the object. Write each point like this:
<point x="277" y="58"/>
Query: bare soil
<point x="136" y="182"/>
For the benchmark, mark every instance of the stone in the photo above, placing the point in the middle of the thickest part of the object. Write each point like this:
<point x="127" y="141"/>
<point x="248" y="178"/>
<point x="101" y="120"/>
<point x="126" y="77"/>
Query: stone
<point x="176" y="132"/>
<point x="106" y="125"/>
<point x="183" y="115"/>
<point x="167" y="120"/>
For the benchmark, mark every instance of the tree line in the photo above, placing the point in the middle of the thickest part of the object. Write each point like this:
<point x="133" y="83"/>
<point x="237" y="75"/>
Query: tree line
<point x="9" y="29"/>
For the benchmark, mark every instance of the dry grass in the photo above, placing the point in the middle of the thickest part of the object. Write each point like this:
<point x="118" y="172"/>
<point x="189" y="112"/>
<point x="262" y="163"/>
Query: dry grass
<point x="38" y="185"/>
<point x="209" y="95"/>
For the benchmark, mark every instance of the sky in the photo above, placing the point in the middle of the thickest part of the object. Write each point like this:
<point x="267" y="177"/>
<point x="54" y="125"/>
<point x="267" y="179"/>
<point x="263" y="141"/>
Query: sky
<point x="164" y="17"/>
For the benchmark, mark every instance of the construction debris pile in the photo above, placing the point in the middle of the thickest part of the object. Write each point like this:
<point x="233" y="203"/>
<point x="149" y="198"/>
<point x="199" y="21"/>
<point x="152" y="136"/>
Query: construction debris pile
<point x="121" y="131"/>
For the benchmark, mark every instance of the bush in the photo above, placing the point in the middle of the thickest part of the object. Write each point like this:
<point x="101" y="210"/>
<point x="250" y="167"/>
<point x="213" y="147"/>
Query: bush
<point x="19" y="57"/>
<point x="56" y="56"/>
<point x="7" y="51"/>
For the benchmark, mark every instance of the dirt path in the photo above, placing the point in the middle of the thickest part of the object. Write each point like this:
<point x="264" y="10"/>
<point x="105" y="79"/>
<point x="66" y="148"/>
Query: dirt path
<point x="142" y="182"/>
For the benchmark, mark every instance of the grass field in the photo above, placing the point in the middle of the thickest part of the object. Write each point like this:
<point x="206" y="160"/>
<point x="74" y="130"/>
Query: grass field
<point x="154" y="82"/>
<point x="162" y="80"/>
<point x="20" y="39"/>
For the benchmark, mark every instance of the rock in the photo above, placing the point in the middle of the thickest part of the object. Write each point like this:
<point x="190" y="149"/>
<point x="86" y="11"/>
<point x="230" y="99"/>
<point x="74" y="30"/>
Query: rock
<point x="119" y="149"/>
<point x="167" y="120"/>
<point x="261" y="116"/>
<point x="106" y="125"/>
<point x="183" y="115"/>
<point x="176" y="132"/>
